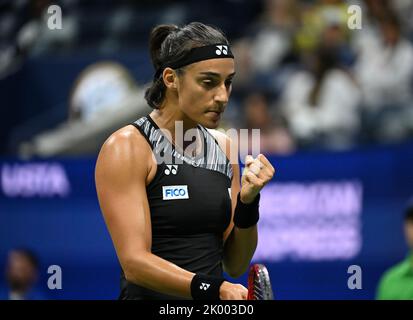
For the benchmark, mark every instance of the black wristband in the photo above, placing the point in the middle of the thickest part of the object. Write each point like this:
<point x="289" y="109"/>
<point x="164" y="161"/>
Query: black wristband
<point x="246" y="215"/>
<point x="205" y="287"/>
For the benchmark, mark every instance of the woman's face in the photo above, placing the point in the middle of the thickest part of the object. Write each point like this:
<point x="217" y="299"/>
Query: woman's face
<point x="204" y="90"/>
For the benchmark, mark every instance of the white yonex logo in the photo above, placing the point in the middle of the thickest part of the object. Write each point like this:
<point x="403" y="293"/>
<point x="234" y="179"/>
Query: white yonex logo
<point x="171" y="168"/>
<point x="175" y="192"/>
<point x="221" y="50"/>
<point x="204" y="286"/>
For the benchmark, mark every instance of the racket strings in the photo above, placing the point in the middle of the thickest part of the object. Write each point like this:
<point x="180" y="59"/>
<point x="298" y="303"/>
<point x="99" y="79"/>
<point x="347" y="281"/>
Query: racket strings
<point x="259" y="283"/>
<point x="262" y="288"/>
<point x="258" y="289"/>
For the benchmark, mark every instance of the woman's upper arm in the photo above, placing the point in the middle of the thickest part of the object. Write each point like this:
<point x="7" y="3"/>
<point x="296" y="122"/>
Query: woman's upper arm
<point x="121" y="172"/>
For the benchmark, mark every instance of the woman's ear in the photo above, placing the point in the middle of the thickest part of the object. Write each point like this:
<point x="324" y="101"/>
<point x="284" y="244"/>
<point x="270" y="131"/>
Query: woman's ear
<point x="170" y="78"/>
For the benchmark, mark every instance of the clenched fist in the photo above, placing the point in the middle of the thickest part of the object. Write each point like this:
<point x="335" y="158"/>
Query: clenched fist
<point x="232" y="291"/>
<point x="256" y="174"/>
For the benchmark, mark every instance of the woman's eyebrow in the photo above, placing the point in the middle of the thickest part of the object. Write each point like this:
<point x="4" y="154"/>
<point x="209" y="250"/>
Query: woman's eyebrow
<point x="215" y="74"/>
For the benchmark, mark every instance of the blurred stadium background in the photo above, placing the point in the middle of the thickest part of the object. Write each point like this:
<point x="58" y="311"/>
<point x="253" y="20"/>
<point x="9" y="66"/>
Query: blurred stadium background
<point x="334" y="107"/>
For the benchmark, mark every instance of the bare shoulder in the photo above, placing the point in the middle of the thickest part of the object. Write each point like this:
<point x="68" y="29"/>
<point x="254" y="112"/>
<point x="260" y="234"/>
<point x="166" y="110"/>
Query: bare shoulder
<point x="126" y="150"/>
<point x="127" y="137"/>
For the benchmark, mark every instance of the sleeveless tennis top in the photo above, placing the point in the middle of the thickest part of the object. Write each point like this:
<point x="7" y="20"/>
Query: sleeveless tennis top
<point x="190" y="206"/>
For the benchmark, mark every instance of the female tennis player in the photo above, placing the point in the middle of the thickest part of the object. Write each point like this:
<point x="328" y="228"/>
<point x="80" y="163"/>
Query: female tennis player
<point x="177" y="225"/>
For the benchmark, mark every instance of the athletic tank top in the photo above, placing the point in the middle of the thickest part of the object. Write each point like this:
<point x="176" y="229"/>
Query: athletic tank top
<point x="190" y="206"/>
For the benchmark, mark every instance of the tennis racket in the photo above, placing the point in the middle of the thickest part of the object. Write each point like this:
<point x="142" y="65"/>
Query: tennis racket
<point x="259" y="285"/>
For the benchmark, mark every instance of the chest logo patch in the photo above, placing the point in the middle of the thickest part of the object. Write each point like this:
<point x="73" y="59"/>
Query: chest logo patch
<point x="175" y="192"/>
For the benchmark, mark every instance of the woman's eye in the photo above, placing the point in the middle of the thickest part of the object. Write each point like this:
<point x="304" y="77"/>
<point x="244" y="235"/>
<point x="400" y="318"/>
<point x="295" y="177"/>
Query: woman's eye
<point x="211" y="83"/>
<point x="208" y="83"/>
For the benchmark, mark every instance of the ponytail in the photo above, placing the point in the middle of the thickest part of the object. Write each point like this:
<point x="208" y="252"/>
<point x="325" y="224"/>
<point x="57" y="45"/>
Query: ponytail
<point x="155" y="94"/>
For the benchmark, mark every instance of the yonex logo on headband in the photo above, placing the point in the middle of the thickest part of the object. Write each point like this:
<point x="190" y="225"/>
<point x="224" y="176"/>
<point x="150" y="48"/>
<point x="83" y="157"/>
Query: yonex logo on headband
<point x="198" y="54"/>
<point x="222" y="50"/>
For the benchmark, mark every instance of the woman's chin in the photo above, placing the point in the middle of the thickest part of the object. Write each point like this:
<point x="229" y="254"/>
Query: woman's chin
<point x="211" y="120"/>
<point x="210" y="124"/>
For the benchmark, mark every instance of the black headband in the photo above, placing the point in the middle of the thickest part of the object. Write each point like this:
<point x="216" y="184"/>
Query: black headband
<point x="198" y="54"/>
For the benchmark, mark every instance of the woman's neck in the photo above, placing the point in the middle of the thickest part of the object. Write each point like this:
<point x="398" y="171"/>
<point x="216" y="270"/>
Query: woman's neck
<point x="166" y="119"/>
<point x="176" y="124"/>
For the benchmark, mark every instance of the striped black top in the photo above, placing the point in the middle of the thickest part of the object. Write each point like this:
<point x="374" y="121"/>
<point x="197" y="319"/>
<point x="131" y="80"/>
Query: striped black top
<point x="190" y="206"/>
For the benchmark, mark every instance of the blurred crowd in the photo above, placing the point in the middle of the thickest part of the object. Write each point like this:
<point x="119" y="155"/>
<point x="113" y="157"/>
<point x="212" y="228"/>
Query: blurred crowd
<point x="317" y="83"/>
<point x="303" y="76"/>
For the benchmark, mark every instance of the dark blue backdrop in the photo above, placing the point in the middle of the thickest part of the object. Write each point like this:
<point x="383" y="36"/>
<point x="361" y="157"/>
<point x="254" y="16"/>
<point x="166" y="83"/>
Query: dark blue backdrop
<point x="56" y="214"/>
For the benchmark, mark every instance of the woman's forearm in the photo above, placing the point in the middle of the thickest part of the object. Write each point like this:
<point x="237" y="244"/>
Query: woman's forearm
<point x="239" y="250"/>
<point x="155" y="273"/>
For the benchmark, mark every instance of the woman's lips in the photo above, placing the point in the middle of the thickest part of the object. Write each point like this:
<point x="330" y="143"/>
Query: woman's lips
<point x="215" y="115"/>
